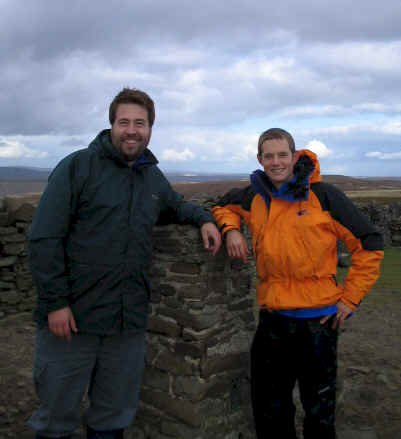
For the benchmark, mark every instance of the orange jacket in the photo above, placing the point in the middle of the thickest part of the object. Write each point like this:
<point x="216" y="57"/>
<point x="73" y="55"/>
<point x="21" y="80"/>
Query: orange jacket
<point x="294" y="239"/>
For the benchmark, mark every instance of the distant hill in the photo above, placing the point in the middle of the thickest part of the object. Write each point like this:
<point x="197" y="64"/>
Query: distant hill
<point x="24" y="173"/>
<point x="192" y="177"/>
<point x="20" y="173"/>
<point x="19" y="180"/>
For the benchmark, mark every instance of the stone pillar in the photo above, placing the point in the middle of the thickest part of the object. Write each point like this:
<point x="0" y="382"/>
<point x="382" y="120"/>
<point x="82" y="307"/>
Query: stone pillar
<point x="201" y="324"/>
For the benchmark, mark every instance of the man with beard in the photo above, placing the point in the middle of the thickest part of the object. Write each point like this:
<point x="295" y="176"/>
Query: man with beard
<point x="90" y="250"/>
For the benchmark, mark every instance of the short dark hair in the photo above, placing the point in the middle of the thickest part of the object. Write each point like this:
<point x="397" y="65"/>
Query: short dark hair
<point x="276" y="133"/>
<point x="132" y="96"/>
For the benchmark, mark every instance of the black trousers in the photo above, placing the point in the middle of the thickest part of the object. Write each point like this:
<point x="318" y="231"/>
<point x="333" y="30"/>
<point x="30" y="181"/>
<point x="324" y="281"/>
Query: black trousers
<point x="285" y="350"/>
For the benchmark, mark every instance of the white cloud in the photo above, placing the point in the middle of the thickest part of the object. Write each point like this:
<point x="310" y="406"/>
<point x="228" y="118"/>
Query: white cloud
<point x="392" y="128"/>
<point x="11" y="149"/>
<point x="170" y="54"/>
<point x="176" y="156"/>
<point x="374" y="154"/>
<point x="375" y="107"/>
<point x="384" y="155"/>
<point x="280" y="70"/>
<point x="335" y="170"/>
<point x="312" y="111"/>
<point x="376" y="126"/>
<point x="358" y="56"/>
<point x="319" y="148"/>
<point x="221" y="145"/>
<point x="247" y="152"/>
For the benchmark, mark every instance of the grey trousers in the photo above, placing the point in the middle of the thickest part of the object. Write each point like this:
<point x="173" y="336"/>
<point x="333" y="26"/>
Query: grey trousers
<point x="112" y="367"/>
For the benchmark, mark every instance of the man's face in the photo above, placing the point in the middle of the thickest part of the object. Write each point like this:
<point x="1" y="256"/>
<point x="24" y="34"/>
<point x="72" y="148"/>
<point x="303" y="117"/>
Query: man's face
<point x="130" y="132"/>
<point x="278" y="161"/>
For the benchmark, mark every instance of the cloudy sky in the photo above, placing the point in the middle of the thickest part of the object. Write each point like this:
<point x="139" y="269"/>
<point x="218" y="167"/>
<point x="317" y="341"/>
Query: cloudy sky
<point x="220" y="73"/>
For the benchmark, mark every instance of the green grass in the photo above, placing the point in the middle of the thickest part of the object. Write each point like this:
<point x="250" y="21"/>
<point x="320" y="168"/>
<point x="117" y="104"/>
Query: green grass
<point x="376" y="200"/>
<point x="388" y="286"/>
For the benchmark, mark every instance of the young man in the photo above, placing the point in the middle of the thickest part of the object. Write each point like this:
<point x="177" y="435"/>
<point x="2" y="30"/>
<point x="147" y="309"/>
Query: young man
<point x="295" y="221"/>
<point x="90" y="251"/>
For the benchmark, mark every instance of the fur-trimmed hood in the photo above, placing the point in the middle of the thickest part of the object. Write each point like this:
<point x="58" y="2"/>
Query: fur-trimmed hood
<point x="308" y="160"/>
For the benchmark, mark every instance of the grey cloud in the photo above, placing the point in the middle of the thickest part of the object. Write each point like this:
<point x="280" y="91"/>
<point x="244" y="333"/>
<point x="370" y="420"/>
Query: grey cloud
<point x="73" y="141"/>
<point x="114" y="29"/>
<point x="63" y="62"/>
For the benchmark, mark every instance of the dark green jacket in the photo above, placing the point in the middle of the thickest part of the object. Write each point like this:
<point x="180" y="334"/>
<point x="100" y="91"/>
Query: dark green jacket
<point x="90" y="243"/>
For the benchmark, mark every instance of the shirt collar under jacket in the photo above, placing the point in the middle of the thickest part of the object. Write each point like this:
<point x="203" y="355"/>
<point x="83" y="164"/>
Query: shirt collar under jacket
<point x="141" y="161"/>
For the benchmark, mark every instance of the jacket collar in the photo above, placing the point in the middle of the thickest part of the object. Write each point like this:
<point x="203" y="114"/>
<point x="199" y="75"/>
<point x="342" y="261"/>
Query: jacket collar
<point x="102" y="144"/>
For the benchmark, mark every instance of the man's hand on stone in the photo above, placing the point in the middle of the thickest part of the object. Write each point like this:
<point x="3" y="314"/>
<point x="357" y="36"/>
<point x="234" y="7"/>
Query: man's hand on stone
<point x="211" y="237"/>
<point x="62" y="322"/>
<point x="237" y="246"/>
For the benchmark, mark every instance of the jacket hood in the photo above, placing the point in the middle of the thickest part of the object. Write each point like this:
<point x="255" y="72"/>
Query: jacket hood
<point x="306" y="171"/>
<point x="102" y="144"/>
<point x="308" y="159"/>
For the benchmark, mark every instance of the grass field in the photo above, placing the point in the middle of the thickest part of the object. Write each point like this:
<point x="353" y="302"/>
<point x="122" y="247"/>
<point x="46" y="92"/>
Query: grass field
<point x="380" y="196"/>
<point x="373" y="194"/>
<point x="389" y="282"/>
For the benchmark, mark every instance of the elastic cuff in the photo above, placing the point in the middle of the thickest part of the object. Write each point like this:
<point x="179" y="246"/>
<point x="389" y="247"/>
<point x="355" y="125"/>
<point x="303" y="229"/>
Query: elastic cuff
<point x="350" y="304"/>
<point x="227" y="229"/>
<point x="60" y="303"/>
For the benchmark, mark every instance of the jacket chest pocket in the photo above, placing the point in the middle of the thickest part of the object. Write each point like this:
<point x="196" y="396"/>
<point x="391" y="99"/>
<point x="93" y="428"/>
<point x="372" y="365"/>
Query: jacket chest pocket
<point x="316" y="238"/>
<point x="148" y="211"/>
<point x="315" y="228"/>
<point x="299" y="244"/>
<point x="103" y="197"/>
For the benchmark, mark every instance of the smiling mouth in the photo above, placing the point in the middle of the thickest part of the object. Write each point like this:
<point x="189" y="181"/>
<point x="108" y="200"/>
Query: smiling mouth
<point x="132" y="139"/>
<point x="131" y="143"/>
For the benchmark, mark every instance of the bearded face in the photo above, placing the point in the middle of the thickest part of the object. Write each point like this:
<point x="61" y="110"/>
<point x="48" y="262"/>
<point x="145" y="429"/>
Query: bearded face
<point x="130" y="132"/>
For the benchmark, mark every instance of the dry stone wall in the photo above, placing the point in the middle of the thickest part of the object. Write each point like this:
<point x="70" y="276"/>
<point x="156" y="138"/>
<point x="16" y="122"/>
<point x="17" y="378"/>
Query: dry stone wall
<point x="201" y="322"/>
<point x="17" y="292"/>
<point x="387" y="219"/>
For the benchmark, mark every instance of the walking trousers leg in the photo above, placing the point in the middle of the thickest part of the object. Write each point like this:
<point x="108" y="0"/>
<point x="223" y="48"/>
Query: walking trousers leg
<point x="116" y="381"/>
<point x="111" y="366"/>
<point x="273" y="377"/>
<point x="317" y="378"/>
<point x="61" y="374"/>
<point x="284" y="350"/>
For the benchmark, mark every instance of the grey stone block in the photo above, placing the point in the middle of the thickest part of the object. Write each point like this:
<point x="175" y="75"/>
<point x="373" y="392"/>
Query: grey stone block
<point x="351" y="433"/>
<point x="185" y="268"/>
<point x="222" y="363"/>
<point x="180" y="409"/>
<point x="156" y="378"/>
<point x="163" y="326"/>
<point x="174" y="364"/>
<point x="177" y="430"/>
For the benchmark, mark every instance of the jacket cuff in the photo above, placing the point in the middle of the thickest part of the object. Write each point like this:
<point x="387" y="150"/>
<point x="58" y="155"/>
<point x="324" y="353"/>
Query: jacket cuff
<point x="205" y="221"/>
<point x="225" y="229"/>
<point x="350" y="304"/>
<point x="60" y="303"/>
<point x="207" y="218"/>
